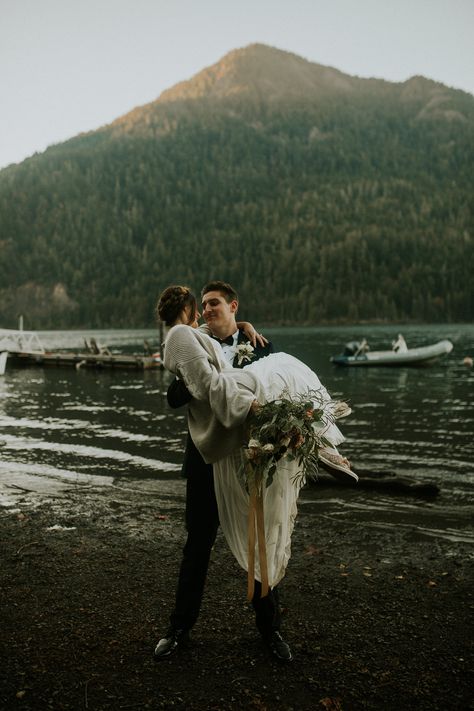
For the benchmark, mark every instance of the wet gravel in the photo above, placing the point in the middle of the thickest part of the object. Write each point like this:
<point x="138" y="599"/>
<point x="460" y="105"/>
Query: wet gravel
<point x="376" y="620"/>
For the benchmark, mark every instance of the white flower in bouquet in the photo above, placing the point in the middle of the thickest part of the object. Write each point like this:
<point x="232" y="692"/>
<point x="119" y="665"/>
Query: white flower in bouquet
<point x="253" y="449"/>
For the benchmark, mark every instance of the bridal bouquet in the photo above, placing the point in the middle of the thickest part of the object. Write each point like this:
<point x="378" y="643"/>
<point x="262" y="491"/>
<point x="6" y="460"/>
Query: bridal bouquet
<point x="291" y="427"/>
<point x="287" y="427"/>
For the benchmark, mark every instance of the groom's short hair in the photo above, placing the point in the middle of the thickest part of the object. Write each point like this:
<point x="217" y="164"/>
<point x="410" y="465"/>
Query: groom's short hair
<point x="227" y="291"/>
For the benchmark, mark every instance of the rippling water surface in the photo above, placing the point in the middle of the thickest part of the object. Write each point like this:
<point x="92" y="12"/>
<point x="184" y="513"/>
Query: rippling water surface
<point x="85" y="425"/>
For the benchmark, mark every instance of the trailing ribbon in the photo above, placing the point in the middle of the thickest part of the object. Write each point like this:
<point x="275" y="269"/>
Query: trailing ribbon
<point x="251" y="543"/>
<point x="256" y="533"/>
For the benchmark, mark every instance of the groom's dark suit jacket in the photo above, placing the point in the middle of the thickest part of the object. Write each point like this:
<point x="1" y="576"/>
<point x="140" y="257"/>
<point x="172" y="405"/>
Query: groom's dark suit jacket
<point x="178" y="395"/>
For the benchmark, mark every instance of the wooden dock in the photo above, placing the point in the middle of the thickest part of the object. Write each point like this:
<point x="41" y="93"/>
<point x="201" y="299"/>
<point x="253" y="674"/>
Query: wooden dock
<point x="86" y="360"/>
<point x="22" y="348"/>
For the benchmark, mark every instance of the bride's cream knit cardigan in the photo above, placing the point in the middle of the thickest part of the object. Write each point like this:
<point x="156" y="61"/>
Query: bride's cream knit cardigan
<point x="222" y="395"/>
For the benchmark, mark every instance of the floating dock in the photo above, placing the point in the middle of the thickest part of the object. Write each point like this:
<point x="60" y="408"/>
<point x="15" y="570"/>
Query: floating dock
<point x="20" y="348"/>
<point x="86" y="360"/>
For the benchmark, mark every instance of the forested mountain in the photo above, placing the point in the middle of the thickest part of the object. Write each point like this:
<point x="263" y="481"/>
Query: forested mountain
<point x="322" y="197"/>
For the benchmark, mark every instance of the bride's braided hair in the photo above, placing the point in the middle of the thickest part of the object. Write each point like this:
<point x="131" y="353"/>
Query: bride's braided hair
<point x="173" y="301"/>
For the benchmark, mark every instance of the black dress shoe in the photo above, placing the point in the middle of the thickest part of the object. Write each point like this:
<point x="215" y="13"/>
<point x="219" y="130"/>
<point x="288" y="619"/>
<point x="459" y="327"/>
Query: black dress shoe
<point x="169" y="644"/>
<point x="278" y="647"/>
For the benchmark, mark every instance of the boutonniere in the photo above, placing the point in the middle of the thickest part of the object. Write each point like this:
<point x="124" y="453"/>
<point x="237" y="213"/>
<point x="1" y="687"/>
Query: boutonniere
<point x="244" y="352"/>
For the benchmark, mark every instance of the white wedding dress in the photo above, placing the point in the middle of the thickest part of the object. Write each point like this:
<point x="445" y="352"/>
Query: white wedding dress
<point x="278" y="373"/>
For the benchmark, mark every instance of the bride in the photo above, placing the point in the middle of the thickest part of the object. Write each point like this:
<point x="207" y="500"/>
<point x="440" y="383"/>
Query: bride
<point x="222" y="399"/>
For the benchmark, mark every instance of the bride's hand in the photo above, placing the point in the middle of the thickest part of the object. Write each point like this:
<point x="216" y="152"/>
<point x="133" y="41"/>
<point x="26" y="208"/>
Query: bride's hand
<point x="252" y="334"/>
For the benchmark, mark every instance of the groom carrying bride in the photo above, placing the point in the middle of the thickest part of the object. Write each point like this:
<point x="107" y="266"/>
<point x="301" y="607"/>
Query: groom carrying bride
<point x="219" y="308"/>
<point x="221" y="397"/>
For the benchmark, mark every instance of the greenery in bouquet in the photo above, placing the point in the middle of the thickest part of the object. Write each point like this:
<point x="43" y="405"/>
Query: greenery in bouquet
<point x="291" y="427"/>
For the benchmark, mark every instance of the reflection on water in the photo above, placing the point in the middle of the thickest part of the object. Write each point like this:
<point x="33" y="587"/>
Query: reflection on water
<point x="414" y="422"/>
<point x="422" y="418"/>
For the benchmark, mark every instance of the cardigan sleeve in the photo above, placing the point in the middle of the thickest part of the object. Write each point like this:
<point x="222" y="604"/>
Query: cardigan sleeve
<point x="229" y="399"/>
<point x="229" y="395"/>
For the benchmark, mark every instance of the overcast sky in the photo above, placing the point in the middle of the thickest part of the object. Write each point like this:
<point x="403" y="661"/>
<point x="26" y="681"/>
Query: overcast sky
<point x="68" y="66"/>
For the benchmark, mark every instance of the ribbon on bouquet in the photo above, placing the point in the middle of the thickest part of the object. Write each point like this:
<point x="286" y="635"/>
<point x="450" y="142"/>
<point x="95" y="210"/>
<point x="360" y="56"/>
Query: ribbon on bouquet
<point x="256" y="534"/>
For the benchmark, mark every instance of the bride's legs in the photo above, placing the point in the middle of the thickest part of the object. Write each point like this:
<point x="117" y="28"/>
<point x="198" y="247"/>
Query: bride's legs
<point x="331" y="452"/>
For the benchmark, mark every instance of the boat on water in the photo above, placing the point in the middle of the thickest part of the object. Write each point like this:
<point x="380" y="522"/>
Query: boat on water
<point x="358" y="353"/>
<point x="22" y="348"/>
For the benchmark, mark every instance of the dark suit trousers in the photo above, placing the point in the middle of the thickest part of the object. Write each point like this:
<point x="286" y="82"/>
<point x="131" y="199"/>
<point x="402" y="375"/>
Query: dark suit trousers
<point x="202" y="522"/>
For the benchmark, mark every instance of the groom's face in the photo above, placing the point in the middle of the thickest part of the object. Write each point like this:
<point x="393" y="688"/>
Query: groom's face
<point x="218" y="313"/>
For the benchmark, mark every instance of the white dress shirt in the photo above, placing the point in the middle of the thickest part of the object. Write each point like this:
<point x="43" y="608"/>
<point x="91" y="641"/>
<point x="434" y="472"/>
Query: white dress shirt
<point x="230" y="351"/>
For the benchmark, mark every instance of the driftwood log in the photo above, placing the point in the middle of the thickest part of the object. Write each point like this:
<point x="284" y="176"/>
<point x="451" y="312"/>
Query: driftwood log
<point x="388" y="482"/>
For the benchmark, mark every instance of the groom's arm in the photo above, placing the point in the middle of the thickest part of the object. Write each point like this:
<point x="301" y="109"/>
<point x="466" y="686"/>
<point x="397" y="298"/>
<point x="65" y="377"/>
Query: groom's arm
<point x="262" y="351"/>
<point x="178" y="394"/>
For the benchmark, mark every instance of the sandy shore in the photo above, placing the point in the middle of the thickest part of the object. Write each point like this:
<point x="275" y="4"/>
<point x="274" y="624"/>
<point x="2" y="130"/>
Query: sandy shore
<point x="376" y="619"/>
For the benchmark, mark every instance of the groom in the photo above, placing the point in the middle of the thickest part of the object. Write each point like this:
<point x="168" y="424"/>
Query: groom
<point x="219" y="307"/>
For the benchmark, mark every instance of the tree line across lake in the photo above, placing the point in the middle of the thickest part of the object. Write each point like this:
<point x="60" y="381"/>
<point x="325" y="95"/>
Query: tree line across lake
<point x="316" y="214"/>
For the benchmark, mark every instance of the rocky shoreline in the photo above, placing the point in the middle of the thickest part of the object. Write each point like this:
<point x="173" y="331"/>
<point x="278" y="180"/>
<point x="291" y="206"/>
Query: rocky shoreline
<point x="377" y="619"/>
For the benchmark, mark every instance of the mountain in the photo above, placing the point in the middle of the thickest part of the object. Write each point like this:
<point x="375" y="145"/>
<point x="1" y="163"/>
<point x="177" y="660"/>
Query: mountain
<point x="321" y="196"/>
<point x="266" y="73"/>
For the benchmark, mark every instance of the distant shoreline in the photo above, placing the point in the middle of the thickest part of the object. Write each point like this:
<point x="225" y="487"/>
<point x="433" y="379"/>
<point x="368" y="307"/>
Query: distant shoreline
<point x="260" y="324"/>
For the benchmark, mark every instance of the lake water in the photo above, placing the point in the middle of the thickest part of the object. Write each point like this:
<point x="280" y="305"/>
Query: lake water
<point x="91" y="426"/>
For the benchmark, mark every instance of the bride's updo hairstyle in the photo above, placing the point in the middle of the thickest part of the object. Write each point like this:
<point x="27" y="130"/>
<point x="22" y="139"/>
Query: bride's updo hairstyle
<point x="173" y="301"/>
